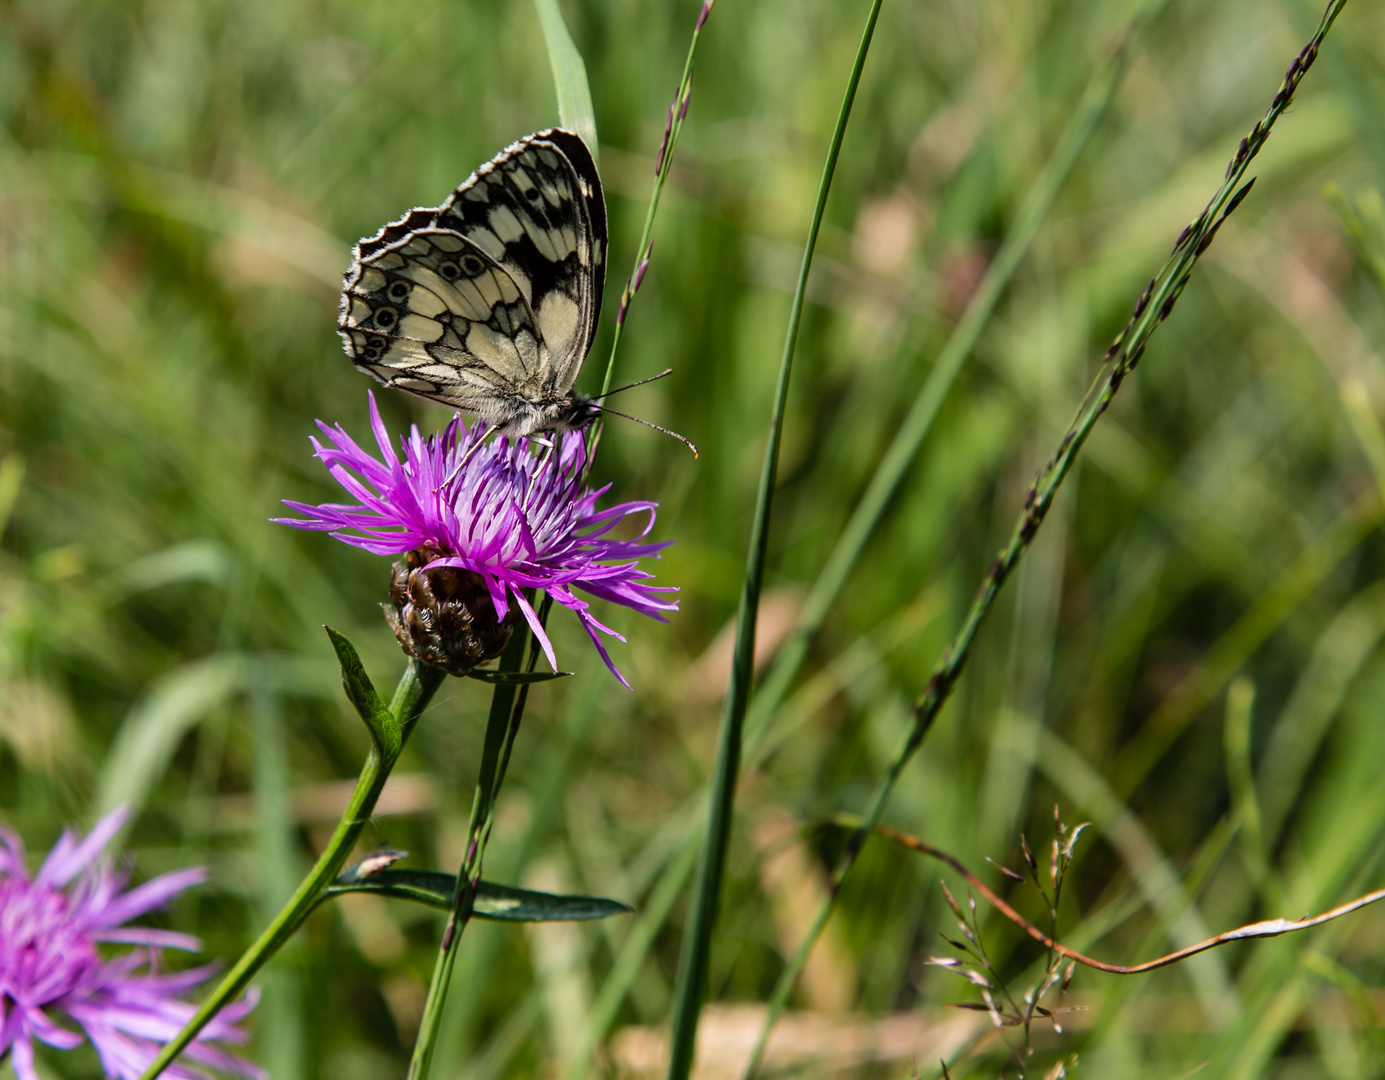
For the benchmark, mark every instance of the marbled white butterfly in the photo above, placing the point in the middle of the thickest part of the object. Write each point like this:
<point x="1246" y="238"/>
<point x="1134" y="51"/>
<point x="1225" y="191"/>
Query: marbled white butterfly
<point x="489" y="302"/>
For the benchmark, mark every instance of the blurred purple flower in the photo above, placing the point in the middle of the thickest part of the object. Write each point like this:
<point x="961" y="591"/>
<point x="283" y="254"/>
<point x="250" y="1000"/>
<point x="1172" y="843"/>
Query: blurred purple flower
<point x="51" y="970"/>
<point x="517" y="519"/>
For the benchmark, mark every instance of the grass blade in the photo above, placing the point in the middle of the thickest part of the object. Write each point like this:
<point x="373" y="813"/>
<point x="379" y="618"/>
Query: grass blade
<point x="173" y="705"/>
<point x="697" y="944"/>
<point x="281" y="1029"/>
<point x="1155" y="305"/>
<point x="917" y="423"/>
<point x="569" y="76"/>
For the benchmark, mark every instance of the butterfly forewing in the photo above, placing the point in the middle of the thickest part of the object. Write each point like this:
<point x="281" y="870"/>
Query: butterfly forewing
<point x="489" y="302"/>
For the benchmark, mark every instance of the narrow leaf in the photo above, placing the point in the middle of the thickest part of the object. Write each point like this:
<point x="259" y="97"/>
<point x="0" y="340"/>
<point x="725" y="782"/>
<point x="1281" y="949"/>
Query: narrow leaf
<point x="691" y="983"/>
<point x="384" y="728"/>
<point x="149" y="735"/>
<point x="514" y="678"/>
<point x="569" y="75"/>
<point x="500" y="903"/>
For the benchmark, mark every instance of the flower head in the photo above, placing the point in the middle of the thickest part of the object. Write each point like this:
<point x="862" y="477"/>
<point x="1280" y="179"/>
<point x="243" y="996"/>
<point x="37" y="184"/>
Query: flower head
<point x="51" y="969"/>
<point x="513" y="518"/>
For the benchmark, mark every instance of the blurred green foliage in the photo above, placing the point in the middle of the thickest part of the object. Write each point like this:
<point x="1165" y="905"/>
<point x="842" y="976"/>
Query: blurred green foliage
<point x="180" y="183"/>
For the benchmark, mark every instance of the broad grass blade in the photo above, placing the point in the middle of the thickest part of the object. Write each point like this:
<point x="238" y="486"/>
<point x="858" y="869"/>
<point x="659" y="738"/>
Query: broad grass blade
<point x="569" y="76"/>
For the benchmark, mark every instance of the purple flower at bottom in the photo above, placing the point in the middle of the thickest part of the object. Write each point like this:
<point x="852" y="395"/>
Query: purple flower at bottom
<point x="514" y="518"/>
<point x="51" y="969"/>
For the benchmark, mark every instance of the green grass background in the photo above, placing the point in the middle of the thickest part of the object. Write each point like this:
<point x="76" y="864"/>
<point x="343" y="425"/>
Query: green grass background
<point x="180" y="184"/>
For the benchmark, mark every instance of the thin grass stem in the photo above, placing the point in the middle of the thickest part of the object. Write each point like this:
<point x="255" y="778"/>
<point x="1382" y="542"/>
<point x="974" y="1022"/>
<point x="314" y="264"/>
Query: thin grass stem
<point x="1154" y="306"/>
<point x="697" y="943"/>
<point x="918" y="422"/>
<point x="673" y="128"/>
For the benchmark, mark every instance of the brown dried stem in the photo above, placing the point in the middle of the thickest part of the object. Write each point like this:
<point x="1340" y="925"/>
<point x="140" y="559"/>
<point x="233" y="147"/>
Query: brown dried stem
<point x="1265" y="929"/>
<point x="1153" y="307"/>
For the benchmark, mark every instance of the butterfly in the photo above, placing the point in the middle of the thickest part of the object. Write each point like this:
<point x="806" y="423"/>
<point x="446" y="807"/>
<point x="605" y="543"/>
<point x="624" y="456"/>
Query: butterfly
<point x="489" y="302"/>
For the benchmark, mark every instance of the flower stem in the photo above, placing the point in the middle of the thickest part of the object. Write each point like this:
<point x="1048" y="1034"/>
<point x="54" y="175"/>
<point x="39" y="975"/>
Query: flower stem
<point x="501" y="729"/>
<point x="415" y="690"/>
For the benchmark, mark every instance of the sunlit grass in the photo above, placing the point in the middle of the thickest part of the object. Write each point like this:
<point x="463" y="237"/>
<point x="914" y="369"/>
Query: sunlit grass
<point x="181" y="185"/>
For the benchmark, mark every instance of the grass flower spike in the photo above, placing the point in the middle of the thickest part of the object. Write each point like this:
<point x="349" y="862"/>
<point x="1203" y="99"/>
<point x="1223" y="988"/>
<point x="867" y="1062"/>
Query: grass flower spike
<point x="51" y="969"/>
<point x="508" y="520"/>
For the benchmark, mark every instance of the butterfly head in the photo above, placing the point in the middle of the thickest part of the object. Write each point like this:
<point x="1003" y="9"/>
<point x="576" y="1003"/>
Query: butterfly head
<point x="578" y="410"/>
<point x="572" y="411"/>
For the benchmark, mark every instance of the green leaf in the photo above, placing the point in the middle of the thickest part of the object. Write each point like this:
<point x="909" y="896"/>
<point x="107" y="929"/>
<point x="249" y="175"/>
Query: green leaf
<point x="501" y="902"/>
<point x="196" y="560"/>
<point x="384" y="728"/>
<point x="569" y="75"/>
<point x="152" y="730"/>
<point x="497" y="902"/>
<point x="514" y="678"/>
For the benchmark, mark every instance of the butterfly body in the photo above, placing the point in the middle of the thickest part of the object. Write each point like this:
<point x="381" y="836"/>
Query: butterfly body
<point x="489" y="302"/>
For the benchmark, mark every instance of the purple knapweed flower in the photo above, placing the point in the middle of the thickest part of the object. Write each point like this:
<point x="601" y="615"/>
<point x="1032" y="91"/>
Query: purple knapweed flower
<point x="51" y="969"/>
<point x="514" y="518"/>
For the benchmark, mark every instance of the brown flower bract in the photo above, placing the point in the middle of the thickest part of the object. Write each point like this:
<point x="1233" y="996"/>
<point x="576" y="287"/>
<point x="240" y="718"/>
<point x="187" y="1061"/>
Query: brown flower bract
<point x="444" y="616"/>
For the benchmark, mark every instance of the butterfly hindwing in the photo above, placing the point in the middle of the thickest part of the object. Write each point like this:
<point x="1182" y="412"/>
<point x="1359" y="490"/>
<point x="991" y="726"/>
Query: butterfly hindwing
<point x="489" y="302"/>
<point x="434" y="315"/>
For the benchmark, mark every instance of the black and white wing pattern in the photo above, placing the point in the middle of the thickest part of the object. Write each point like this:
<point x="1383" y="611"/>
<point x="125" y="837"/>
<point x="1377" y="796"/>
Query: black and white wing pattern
<point x="489" y="302"/>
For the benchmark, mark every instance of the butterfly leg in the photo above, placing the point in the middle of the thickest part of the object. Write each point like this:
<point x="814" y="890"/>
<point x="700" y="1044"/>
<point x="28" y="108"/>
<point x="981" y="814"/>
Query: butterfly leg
<point x="465" y="458"/>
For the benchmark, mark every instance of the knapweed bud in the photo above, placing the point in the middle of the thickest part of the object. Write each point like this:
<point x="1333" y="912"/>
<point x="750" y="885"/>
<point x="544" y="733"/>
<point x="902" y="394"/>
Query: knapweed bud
<point x="444" y="616"/>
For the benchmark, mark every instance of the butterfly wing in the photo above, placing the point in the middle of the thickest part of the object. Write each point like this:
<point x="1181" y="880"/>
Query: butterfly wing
<point x="434" y="315"/>
<point x="489" y="302"/>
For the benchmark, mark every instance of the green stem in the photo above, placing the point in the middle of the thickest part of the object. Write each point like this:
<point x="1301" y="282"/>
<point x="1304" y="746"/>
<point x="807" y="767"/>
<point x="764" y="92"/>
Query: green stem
<point x="678" y="112"/>
<point x="416" y="688"/>
<point x="697" y="943"/>
<point x="904" y="447"/>
<point x="501" y="728"/>
<point x="1155" y="305"/>
<point x="917" y="423"/>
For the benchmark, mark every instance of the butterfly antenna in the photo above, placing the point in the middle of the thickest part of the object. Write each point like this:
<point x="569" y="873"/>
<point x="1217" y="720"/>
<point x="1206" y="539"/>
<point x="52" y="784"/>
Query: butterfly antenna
<point x="647" y="424"/>
<point x="631" y="386"/>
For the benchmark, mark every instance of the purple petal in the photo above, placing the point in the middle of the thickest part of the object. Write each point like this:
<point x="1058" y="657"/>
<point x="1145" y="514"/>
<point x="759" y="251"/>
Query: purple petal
<point x="144" y="935"/>
<point x="601" y="649"/>
<point x="537" y="627"/>
<point x="22" y="1057"/>
<point x="42" y="1028"/>
<point x="150" y="895"/>
<point x="66" y="859"/>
